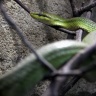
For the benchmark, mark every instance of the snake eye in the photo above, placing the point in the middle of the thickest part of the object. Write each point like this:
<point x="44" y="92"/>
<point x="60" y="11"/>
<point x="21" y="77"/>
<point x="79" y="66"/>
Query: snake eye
<point x="39" y="14"/>
<point x="43" y="15"/>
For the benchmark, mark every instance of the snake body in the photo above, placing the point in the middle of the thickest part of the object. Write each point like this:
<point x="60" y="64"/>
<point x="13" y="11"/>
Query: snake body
<point x="20" y="80"/>
<point x="70" y="24"/>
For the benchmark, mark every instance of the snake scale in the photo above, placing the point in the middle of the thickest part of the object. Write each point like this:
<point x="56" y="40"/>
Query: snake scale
<point x="71" y="23"/>
<point x="22" y="79"/>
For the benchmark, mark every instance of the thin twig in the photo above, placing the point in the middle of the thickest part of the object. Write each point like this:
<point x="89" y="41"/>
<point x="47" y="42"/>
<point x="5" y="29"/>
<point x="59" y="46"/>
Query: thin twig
<point x="67" y="86"/>
<point x="73" y="13"/>
<point x="86" y="8"/>
<point x="77" y="72"/>
<point x="22" y="5"/>
<point x="73" y="7"/>
<point x="79" y="12"/>
<point x="65" y="31"/>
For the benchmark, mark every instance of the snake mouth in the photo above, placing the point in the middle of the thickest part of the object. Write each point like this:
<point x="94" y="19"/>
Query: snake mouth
<point x="43" y="15"/>
<point x="47" y="16"/>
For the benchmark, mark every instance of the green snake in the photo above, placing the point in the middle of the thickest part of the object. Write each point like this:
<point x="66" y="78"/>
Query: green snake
<point x="70" y="24"/>
<point x="22" y="79"/>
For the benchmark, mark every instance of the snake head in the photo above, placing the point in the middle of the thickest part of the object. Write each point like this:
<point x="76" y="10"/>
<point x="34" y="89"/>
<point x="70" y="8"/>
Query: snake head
<point x="47" y="18"/>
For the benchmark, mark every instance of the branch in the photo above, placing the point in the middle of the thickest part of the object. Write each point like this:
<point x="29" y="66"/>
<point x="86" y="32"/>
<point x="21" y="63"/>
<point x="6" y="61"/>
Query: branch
<point x="67" y="86"/>
<point x="73" y="7"/>
<point x="22" y="5"/>
<point x="79" y="12"/>
<point x="86" y="8"/>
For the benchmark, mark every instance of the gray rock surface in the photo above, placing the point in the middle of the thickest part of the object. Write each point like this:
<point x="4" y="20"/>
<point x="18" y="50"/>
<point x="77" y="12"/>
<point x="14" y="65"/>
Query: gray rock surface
<point x="12" y="49"/>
